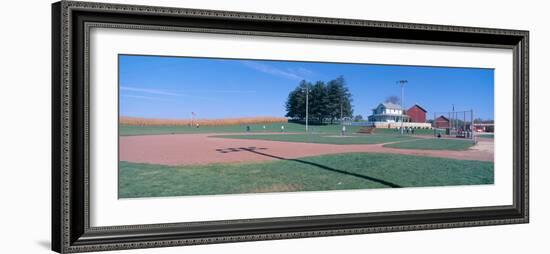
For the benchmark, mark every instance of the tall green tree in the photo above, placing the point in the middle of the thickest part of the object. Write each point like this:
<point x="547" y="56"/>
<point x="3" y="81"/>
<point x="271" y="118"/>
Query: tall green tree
<point x="339" y="99"/>
<point x="296" y="102"/>
<point x="318" y="102"/>
<point x="327" y="101"/>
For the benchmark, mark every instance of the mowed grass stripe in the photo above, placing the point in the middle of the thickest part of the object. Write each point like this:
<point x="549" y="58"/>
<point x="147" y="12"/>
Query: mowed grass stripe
<point x="489" y="135"/>
<point x="131" y="130"/>
<point x="323" y="138"/>
<point x="318" y="173"/>
<point x="434" y="144"/>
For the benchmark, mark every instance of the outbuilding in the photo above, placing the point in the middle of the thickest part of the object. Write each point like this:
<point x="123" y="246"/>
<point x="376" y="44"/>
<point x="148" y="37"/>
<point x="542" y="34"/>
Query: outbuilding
<point x="417" y="114"/>
<point x="442" y="122"/>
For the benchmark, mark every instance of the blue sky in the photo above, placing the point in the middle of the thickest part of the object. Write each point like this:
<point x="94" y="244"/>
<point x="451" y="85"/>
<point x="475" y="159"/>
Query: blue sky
<point x="173" y="87"/>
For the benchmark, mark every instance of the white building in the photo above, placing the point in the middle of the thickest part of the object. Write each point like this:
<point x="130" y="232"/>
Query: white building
<point x="388" y="112"/>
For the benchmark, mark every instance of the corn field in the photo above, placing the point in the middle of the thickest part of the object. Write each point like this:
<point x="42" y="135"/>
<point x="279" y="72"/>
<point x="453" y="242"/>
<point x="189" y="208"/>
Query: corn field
<point x="137" y="121"/>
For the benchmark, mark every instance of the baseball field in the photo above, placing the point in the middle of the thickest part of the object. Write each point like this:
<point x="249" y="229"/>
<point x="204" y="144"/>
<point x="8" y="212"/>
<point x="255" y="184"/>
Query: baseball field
<point x="180" y="159"/>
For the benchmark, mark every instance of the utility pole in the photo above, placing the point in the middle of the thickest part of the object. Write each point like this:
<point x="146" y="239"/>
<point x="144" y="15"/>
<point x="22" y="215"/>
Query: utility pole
<point x="402" y="84"/>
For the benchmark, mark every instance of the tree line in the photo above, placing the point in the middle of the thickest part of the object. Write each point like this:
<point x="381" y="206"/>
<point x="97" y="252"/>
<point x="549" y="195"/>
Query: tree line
<point x="328" y="101"/>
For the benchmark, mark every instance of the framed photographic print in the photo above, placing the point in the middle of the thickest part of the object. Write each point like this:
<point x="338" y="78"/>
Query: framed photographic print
<point x="181" y="126"/>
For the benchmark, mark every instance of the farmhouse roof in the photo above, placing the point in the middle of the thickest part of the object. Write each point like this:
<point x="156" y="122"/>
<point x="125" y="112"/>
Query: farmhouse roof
<point x="418" y="106"/>
<point x="391" y="105"/>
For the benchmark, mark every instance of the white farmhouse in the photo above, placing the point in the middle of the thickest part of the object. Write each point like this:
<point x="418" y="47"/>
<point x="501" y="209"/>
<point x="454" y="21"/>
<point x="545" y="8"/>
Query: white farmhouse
<point x="388" y="112"/>
<point x="391" y="115"/>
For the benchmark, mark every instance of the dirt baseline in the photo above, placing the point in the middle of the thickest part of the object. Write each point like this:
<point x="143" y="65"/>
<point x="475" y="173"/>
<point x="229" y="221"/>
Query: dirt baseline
<point x="200" y="149"/>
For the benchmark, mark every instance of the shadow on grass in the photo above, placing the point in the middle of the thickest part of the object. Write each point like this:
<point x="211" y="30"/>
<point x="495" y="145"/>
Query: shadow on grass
<point x="255" y="150"/>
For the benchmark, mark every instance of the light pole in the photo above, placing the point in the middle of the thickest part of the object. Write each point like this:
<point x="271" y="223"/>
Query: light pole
<point x="307" y="106"/>
<point x="341" y="109"/>
<point x="402" y="84"/>
<point x="453" y="117"/>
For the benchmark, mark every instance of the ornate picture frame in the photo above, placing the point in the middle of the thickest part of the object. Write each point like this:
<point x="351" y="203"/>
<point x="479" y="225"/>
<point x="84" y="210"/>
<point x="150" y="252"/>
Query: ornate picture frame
<point x="71" y="24"/>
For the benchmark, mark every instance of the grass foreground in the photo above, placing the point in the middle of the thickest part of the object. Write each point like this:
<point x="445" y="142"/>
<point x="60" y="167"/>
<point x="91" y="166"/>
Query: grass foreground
<point x="318" y="173"/>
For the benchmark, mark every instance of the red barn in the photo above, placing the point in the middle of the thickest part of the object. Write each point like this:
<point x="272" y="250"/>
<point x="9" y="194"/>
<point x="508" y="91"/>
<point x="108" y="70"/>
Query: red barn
<point x="442" y="122"/>
<point x="417" y="114"/>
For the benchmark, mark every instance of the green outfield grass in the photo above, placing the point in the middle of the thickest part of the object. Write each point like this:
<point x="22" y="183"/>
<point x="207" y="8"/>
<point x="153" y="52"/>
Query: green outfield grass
<point x="434" y="144"/>
<point x="128" y="130"/>
<point x="328" y="172"/>
<point x="324" y="138"/>
<point x="488" y="135"/>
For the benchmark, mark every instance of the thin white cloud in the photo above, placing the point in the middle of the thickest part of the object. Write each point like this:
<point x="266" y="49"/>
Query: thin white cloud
<point x="127" y="91"/>
<point x="304" y="72"/>
<point x="188" y="94"/>
<point x="288" y="73"/>
<point x="233" y="91"/>
<point x="210" y="91"/>
<point x="149" y="91"/>
<point x="143" y="97"/>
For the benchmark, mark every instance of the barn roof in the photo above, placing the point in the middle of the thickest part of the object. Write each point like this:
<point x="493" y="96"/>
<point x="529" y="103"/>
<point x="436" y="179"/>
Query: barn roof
<point x="418" y="106"/>
<point x="442" y="116"/>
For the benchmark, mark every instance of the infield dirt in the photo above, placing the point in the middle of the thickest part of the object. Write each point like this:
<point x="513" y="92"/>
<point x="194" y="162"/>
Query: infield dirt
<point x="202" y="149"/>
